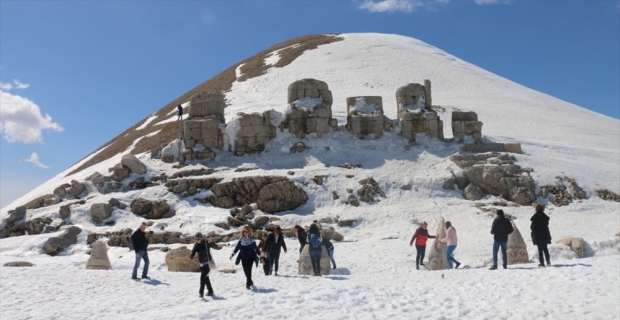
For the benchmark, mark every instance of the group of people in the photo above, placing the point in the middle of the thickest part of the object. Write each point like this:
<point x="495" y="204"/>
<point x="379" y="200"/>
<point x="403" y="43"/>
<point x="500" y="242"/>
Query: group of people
<point x="500" y="230"/>
<point x="267" y="252"/>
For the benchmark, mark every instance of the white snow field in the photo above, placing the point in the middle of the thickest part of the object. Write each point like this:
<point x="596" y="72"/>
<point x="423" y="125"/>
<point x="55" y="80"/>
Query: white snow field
<point x="376" y="276"/>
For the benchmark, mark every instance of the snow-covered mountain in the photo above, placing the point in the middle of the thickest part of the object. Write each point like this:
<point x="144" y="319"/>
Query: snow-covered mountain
<point x="557" y="138"/>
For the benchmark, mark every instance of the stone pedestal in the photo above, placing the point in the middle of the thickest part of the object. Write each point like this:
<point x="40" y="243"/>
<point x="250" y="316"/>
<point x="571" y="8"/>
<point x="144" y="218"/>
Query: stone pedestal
<point x="305" y="265"/>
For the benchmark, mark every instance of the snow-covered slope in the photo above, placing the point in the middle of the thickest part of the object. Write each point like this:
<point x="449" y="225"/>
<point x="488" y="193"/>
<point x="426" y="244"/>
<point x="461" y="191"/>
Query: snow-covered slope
<point x="558" y="139"/>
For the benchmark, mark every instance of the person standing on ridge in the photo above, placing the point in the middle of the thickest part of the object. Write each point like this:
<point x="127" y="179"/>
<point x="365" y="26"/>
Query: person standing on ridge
<point x="420" y="236"/>
<point x="248" y="253"/>
<point x="274" y="244"/>
<point x="540" y="234"/>
<point x="202" y="248"/>
<point x="139" y="244"/>
<point x="180" y="112"/>
<point x="500" y="230"/>
<point x="451" y="240"/>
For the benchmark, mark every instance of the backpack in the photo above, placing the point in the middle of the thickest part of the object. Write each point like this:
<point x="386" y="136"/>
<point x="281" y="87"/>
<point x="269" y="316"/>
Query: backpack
<point x="315" y="241"/>
<point x="130" y="242"/>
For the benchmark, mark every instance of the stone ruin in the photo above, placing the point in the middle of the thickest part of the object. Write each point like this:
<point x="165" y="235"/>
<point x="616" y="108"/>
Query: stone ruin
<point x="466" y="124"/>
<point x="415" y="114"/>
<point x="365" y="116"/>
<point x="201" y="129"/>
<point x="311" y="108"/>
<point x="255" y="130"/>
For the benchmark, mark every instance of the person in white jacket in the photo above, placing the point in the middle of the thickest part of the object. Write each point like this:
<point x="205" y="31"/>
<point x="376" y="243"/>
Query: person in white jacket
<point x="451" y="240"/>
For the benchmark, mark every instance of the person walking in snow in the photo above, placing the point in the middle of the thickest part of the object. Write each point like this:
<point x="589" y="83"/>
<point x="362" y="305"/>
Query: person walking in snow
<point x="329" y="246"/>
<point x="264" y="256"/>
<point x="420" y="236"/>
<point x="301" y="236"/>
<point x="248" y="254"/>
<point x="180" y="112"/>
<point x="202" y="248"/>
<point x="274" y="245"/>
<point x="314" y="241"/>
<point x="540" y="234"/>
<point x="500" y="230"/>
<point x="451" y="240"/>
<point x="139" y="245"/>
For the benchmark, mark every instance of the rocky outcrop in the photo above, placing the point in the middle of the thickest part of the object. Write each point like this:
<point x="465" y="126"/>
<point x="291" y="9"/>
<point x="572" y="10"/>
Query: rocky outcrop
<point x="98" y="259"/>
<point x="576" y="244"/>
<point x="281" y="196"/>
<point x="607" y="195"/>
<point x="564" y="191"/>
<point x="177" y="260"/>
<point x="494" y="174"/>
<point x="254" y="131"/>
<point x="369" y="189"/>
<point x="55" y="245"/>
<point x="189" y="187"/>
<point x="133" y="163"/>
<point x="311" y="108"/>
<point x="365" y="116"/>
<point x="100" y="211"/>
<point x="157" y="209"/>
<point x="466" y="124"/>
<point x="517" y="249"/>
<point x="415" y="114"/>
<point x="34" y="226"/>
<point x="305" y="265"/>
<point x="76" y="189"/>
<point x="437" y="255"/>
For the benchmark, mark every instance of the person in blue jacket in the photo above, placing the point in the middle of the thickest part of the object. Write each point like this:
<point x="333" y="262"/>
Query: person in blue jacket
<point x="180" y="112"/>
<point x="248" y="254"/>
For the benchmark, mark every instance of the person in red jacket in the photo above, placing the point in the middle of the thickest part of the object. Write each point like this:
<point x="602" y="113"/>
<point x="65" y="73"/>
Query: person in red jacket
<point x="420" y="236"/>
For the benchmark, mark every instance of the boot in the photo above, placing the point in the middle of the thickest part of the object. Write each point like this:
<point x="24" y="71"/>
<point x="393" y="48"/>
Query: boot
<point x="493" y="268"/>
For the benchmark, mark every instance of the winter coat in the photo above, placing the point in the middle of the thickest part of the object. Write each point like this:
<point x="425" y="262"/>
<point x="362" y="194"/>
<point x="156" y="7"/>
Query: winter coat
<point x="272" y="245"/>
<point x="501" y="229"/>
<point x="421" y="236"/>
<point x="450" y="238"/>
<point x="301" y="236"/>
<point x="320" y="240"/>
<point x="328" y="244"/>
<point x="139" y="240"/>
<point x="540" y="228"/>
<point x="203" y="251"/>
<point x="247" y="249"/>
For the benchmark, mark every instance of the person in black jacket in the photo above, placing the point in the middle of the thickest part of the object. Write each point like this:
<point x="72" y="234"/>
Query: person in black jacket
<point x="139" y="245"/>
<point x="301" y="236"/>
<point x="180" y="112"/>
<point x="274" y="244"/>
<point x="540" y="234"/>
<point x="202" y="248"/>
<point x="500" y="230"/>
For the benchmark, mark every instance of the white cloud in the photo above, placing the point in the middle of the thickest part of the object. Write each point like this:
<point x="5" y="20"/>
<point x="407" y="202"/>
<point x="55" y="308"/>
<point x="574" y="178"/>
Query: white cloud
<point x="34" y="159"/>
<point x="21" y="119"/>
<point x="483" y="2"/>
<point x="391" y="5"/>
<point x="20" y="85"/>
<point x="5" y="86"/>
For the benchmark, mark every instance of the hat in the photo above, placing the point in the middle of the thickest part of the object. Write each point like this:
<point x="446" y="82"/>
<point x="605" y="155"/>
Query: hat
<point x="500" y="212"/>
<point x="424" y="223"/>
<point x="198" y="235"/>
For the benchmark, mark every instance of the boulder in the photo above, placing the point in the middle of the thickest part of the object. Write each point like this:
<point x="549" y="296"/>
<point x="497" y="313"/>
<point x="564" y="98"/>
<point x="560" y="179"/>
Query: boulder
<point x="305" y="265"/>
<point x="281" y="196"/>
<point x="472" y="193"/>
<point x="141" y="206"/>
<point x="346" y="223"/>
<point x="260" y="220"/>
<point x="437" y="255"/>
<point x="98" y="257"/>
<point x="18" y="264"/>
<point x="55" y="245"/>
<point x="65" y="211"/>
<point x="352" y="200"/>
<point x="517" y="250"/>
<point x="577" y="244"/>
<point x="134" y="164"/>
<point x="178" y="260"/>
<point x="16" y="215"/>
<point x="100" y="211"/>
<point x="76" y="188"/>
<point x="120" y="172"/>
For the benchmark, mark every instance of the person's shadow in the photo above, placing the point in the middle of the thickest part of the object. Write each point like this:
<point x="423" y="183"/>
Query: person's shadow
<point x="154" y="282"/>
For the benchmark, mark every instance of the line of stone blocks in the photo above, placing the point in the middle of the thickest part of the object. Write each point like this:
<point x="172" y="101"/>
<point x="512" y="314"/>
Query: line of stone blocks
<point x="255" y="131"/>
<point x="412" y="123"/>
<point x="207" y="104"/>
<point x="411" y="94"/>
<point x="364" y="125"/>
<point x="466" y="124"/>
<point x="302" y="121"/>
<point x="203" y="131"/>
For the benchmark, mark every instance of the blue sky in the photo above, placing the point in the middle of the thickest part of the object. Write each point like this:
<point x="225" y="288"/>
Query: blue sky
<point x="74" y="74"/>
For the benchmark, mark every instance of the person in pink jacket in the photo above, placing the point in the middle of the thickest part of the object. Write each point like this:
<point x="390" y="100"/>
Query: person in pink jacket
<point x="451" y="240"/>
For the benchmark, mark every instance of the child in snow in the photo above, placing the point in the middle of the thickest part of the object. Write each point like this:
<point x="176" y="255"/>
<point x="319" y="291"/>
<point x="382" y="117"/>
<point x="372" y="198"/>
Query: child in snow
<point x="451" y="240"/>
<point x="420" y="236"/>
<point x="248" y="253"/>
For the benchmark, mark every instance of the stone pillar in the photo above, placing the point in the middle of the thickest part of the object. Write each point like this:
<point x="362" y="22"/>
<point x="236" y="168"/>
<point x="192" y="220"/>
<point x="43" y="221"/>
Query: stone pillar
<point x="427" y="88"/>
<point x="437" y="256"/>
<point x="517" y="250"/>
<point x="305" y="265"/>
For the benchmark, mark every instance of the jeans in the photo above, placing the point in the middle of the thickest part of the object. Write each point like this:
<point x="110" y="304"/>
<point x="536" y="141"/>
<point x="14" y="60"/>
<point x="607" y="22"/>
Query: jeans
<point x="419" y="258"/>
<point x="331" y="256"/>
<point x="449" y="252"/>
<point x="496" y="246"/>
<point x="204" y="280"/>
<point x="142" y="254"/>
<point x="247" y="269"/>
<point x="301" y="248"/>
<point x="315" y="258"/>
<point x="274" y="260"/>
<point x="542" y="248"/>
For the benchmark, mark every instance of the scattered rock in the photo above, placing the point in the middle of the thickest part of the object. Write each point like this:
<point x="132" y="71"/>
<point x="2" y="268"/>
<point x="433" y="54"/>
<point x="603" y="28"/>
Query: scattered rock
<point x="607" y="195"/>
<point x="346" y="223"/>
<point x="177" y="260"/>
<point x="100" y="211"/>
<point x="55" y="245"/>
<point x="133" y="163"/>
<point x="576" y="244"/>
<point x="352" y="200"/>
<point x="18" y="264"/>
